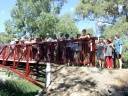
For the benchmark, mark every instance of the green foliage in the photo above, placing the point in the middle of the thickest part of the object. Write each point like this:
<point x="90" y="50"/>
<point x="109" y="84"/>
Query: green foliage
<point x="5" y="38"/>
<point x="90" y="31"/>
<point x="66" y="24"/>
<point x="125" y="59"/>
<point x="34" y="16"/>
<point x="9" y="27"/>
<point x="18" y="88"/>
<point x="98" y="8"/>
<point x="46" y="23"/>
<point x="120" y="28"/>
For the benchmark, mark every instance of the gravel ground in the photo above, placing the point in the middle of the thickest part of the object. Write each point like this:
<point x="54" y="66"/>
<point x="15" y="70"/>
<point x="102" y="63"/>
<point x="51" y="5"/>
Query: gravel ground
<point x="84" y="81"/>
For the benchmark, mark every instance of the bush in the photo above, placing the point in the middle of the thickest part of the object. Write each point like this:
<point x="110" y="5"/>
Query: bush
<point x="18" y="88"/>
<point x="125" y="59"/>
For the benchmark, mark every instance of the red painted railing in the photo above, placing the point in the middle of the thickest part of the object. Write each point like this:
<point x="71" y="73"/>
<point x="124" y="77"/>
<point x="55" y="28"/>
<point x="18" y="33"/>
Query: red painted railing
<point x="29" y="59"/>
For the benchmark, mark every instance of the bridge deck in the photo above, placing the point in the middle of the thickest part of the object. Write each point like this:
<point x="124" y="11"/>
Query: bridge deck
<point x="23" y="61"/>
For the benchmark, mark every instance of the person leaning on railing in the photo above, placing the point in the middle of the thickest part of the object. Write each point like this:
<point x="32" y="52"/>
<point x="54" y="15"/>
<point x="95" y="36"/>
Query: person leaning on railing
<point x="86" y="55"/>
<point x="84" y="35"/>
<point x="21" y="48"/>
<point x="60" y="51"/>
<point x="77" y="50"/>
<point x="67" y="52"/>
<point x="47" y="47"/>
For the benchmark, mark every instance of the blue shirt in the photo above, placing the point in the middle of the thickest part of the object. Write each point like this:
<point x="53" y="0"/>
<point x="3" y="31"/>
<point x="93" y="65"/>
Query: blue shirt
<point x="117" y="45"/>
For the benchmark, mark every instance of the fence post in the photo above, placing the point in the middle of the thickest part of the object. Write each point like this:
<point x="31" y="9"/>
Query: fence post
<point x="4" y="55"/>
<point x="93" y="52"/>
<point x="47" y="74"/>
<point x="52" y="52"/>
<point x="27" y="59"/>
<point x="14" y="56"/>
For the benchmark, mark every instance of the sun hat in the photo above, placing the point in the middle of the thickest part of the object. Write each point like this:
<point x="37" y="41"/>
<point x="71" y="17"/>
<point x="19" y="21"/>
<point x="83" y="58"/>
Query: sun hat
<point x="16" y="40"/>
<point x="47" y="34"/>
<point x="109" y="39"/>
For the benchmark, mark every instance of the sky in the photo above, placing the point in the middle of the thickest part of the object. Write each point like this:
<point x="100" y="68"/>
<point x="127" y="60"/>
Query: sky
<point x="5" y="7"/>
<point x="69" y="7"/>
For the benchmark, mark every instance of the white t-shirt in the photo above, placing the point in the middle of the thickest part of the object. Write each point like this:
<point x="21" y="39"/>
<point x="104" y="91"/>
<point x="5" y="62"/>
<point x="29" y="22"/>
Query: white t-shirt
<point x="48" y="39"/>
<point x="12" y="42"/>
<point x="86" y="36"/>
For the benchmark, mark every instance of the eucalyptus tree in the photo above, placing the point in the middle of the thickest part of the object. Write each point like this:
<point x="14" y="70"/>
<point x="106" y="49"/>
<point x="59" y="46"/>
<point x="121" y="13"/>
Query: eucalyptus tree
<point x="5" y="38"/>
<point x="103" y="11"/>
<point x="27" y="13"/>
<point x="66" y="24"/>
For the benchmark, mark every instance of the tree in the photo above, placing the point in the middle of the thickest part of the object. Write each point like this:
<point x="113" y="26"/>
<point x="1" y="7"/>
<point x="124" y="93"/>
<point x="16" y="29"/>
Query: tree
<point x="9" y="27"/>
<point x="90" y="31"/>
<point x="6" y="38"/>
<point x="26" y="13"/>
<point x="66" y="24"/>
<point x="103" y="11"/>
<point x="46" y="23"/>
<point x="98" y="8"/>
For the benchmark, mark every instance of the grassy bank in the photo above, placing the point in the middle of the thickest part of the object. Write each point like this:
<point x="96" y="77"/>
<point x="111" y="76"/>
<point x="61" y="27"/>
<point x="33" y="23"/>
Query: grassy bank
<point x="18" y="88"/>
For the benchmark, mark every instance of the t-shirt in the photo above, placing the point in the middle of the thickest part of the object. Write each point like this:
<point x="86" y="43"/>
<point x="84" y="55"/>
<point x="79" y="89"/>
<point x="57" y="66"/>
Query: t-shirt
<point x="61" y="38"/>
<point x="12" y="42"/>
<point x="118" y="42"/>
<point x="12" y="46"/>
<point x="27" y="42"/>
<point x="86" y="36"/>
<point x="108" y="50"/>
<point x="54" y="40"/>
<point x="68" y="44"/>
<point x="77" y="46"/>
<point x="48" y="39"/>
<point x="100" y="48"/>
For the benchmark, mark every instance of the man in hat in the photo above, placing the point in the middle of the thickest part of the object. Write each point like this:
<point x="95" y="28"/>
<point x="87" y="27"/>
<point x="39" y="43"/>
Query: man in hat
<point x="118" y="50"/>
<point x="48" y="38"/>
<point x="47" y="47"/>
<point x="17" y="41"/>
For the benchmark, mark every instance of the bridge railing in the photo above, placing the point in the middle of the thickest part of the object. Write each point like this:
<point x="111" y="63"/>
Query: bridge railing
<point x="76" y="52"/>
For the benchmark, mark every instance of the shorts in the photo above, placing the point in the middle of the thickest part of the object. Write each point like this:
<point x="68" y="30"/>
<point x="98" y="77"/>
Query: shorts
<point x="68" y="52"/>
<point x="117" y="55"/>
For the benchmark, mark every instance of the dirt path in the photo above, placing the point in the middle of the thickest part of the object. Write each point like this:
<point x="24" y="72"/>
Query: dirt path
<point x="83" y="81"/>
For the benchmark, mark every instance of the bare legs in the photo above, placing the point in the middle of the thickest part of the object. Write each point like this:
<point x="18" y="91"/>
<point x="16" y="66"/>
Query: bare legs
<point x="120" y="63"/>
<point x="101" y="63"/>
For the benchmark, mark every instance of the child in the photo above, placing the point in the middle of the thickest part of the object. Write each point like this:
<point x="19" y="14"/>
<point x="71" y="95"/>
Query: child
<point x="108" y="53"/>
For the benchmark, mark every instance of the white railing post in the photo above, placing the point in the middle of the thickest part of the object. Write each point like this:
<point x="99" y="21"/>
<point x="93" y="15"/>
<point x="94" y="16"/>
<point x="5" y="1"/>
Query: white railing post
<point x="48" y="66"/>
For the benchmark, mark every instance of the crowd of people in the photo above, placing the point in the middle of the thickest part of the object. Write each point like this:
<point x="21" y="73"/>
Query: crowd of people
<point x="105" y="50"/>
<point x="67" y="53"/>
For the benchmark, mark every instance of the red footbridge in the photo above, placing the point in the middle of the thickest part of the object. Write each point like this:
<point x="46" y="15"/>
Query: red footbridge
<point x="30" y="60"/>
